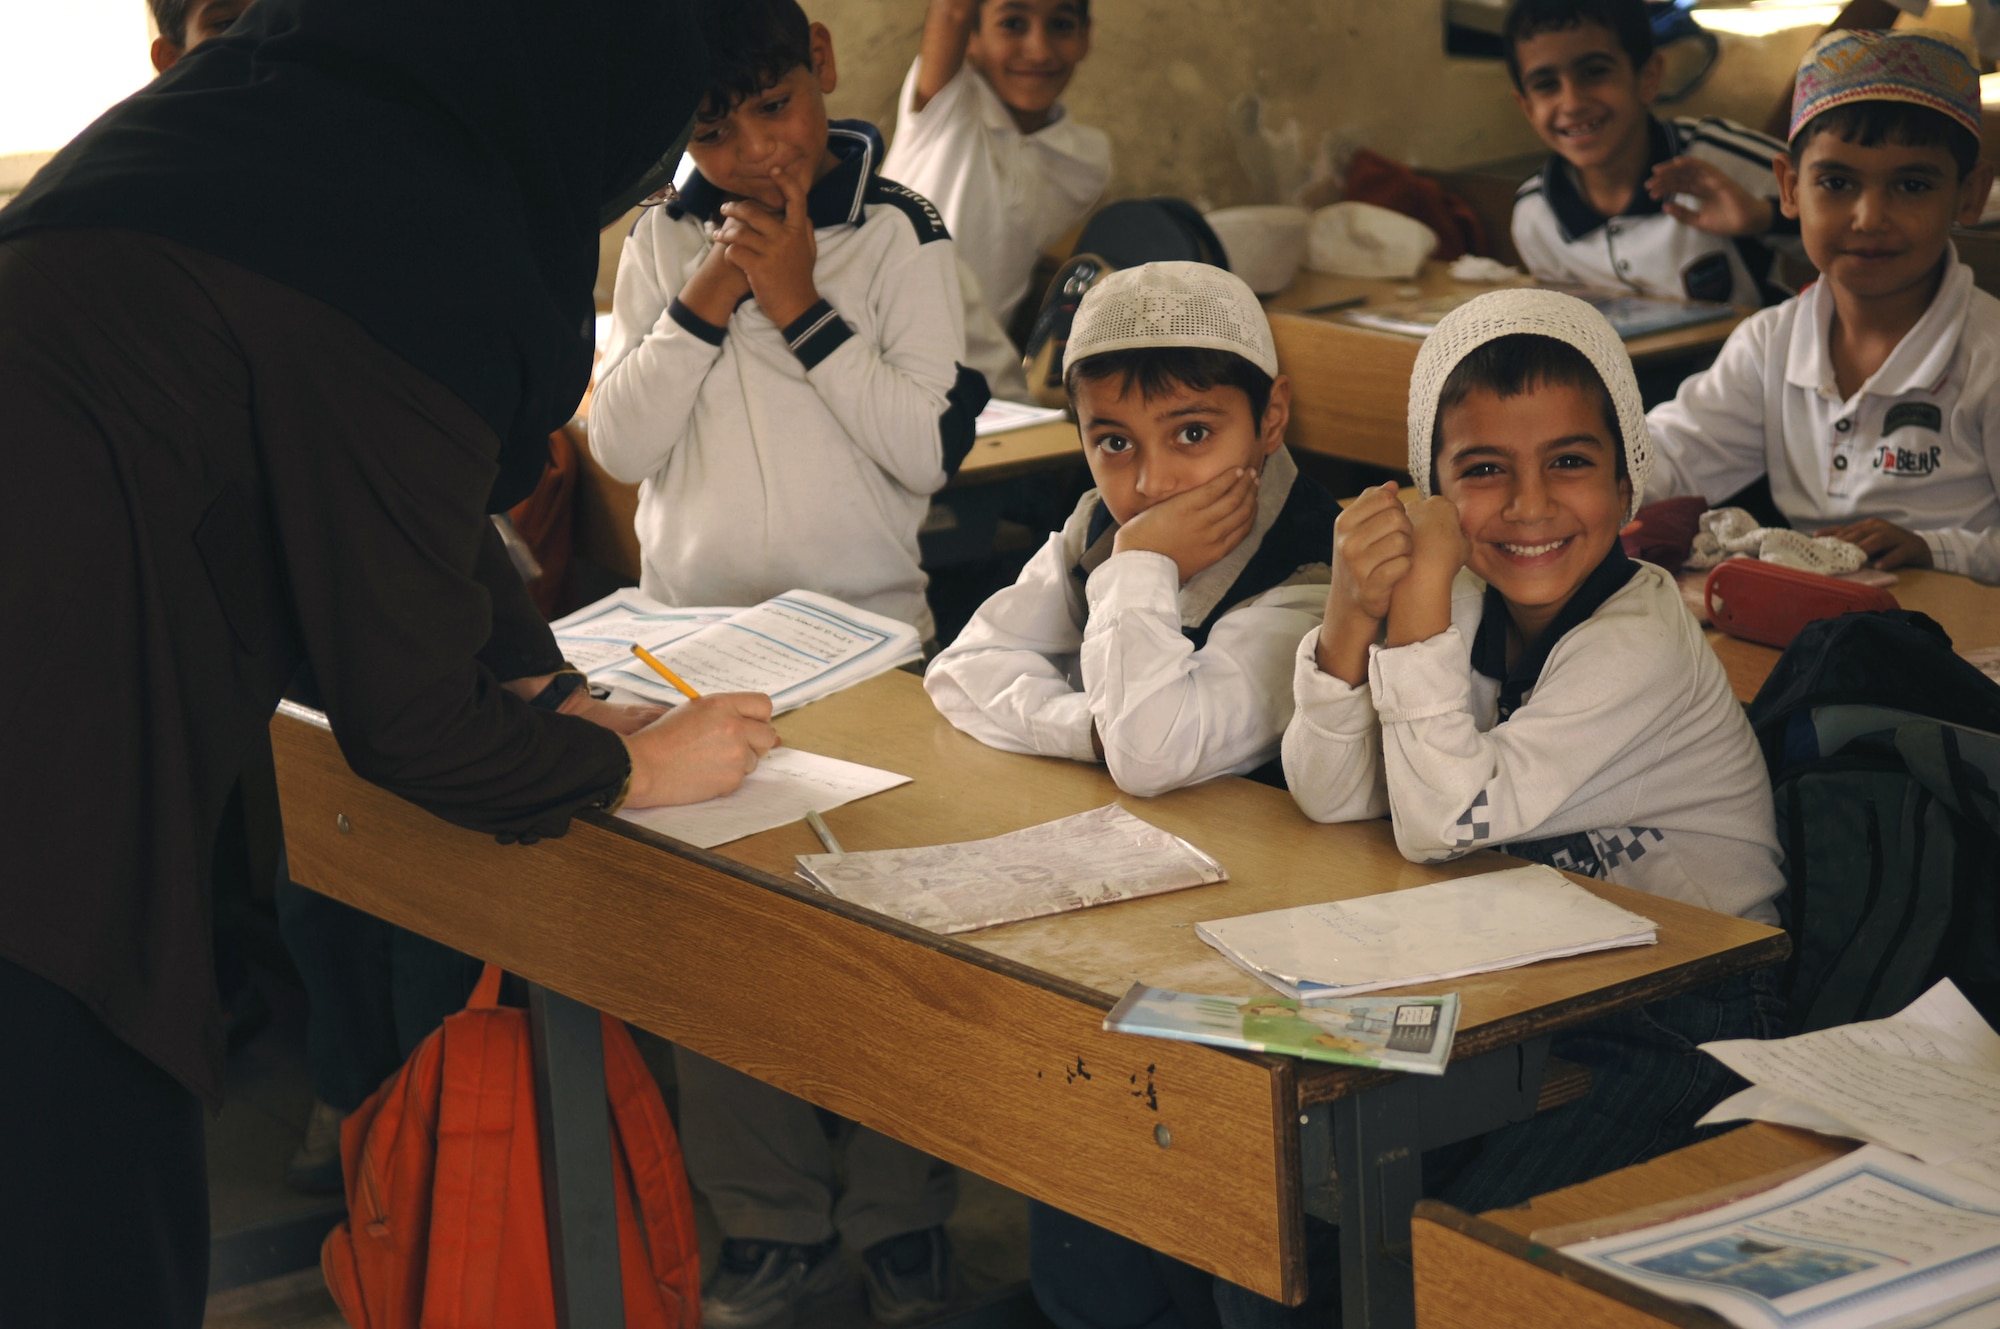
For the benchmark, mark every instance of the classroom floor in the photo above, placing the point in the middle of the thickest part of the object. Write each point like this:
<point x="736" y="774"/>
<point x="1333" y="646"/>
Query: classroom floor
<point x="265" y="1236"/>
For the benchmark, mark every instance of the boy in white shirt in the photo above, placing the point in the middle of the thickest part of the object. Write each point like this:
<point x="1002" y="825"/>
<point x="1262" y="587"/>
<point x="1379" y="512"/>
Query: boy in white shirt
<point x="781" y="378"/>
<point x="782" y="374"/>
<point x="1872" y="400"/>
<point x="981" y="131"/>
<point x="1495" y="673"/>
<point x="1154" y="632"/>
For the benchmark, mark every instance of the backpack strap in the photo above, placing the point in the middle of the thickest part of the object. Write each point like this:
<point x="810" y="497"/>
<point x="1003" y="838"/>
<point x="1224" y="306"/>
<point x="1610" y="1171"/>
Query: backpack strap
<point x="486" y="992"/>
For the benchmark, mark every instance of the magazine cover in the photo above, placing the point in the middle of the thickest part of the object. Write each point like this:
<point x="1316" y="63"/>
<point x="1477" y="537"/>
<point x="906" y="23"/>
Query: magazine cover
<point x="1394" y="1033"/>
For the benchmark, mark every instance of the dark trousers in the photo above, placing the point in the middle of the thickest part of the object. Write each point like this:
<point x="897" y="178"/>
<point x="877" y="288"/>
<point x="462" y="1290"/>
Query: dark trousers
<point x="373" y="990"/>
<point x="1649" y="1084"/>
<point x="104" y="1193"/>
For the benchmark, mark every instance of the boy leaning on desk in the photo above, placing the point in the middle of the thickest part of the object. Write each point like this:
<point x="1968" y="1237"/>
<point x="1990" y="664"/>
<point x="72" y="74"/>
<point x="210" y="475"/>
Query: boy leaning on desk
<point x="1872" y="400"/>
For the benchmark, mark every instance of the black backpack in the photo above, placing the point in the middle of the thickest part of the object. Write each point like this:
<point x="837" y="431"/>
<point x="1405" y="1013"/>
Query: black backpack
<point x="1884" y="753"/>
<point x="1120" y="235"/>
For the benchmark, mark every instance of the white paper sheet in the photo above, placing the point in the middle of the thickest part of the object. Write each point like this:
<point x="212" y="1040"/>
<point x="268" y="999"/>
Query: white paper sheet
<point x="1925" y="1081"/>
<point x="1092" y="858"/>
<point x="786" y="785"/>
<point x="1872" y="1239"/>
<point x="1495" y="920"/>
<point x="1001" y="416"/>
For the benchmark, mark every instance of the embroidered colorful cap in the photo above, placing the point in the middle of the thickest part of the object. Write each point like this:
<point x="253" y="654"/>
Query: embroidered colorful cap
<point x="1172" y="304"/>
<point x="1920" y="66"/>
<point x="1541" y="313"/>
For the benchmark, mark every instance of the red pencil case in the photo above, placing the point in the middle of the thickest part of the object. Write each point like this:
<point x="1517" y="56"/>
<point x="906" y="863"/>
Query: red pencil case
<point x="1768" y="604"/>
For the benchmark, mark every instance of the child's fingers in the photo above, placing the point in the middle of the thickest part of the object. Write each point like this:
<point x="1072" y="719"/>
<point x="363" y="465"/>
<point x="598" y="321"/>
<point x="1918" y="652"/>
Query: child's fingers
<point x="795" y="216"/>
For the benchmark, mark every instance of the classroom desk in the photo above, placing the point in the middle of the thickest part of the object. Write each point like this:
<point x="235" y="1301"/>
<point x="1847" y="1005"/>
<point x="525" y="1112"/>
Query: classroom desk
<point x="1351" y="386"/>
<point x="1018" y="452"/>
<point x="1494" y="1271"/>
<point x="1967" y="610"/>
<point x="988" y="1049"/>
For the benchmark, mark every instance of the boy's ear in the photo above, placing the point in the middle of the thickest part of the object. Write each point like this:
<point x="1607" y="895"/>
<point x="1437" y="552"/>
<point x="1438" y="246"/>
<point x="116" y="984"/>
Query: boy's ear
<point x="1649" y="77"/>
<point x="1788" y="184"/>
<point x="1277" y="414"/>
<point x="166" y="54"/>
<point x="1972" y="192"/>
<point x="822" y="58"/>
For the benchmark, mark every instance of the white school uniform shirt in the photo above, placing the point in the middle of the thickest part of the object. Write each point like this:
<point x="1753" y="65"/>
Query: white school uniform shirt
<point x="1042" y="660"/>
<point x="771" y="458"/>
<point x="1005" y="195"/>
<point x="1918" y="444"/>
<point x="1563" y="238"/>
<point x="1629" y="759"/>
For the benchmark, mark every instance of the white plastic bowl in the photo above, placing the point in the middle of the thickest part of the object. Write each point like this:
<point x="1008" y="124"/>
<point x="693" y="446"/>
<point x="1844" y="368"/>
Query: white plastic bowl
<point x="1265" y="243"/>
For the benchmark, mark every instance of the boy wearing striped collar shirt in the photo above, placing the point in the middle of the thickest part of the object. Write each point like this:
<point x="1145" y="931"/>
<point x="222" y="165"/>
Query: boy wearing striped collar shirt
<point x="1872" y="401"/>
<point x="1495" y="673"/>
<point x="1628" y="201"/>
<point x="1154" y="631"/>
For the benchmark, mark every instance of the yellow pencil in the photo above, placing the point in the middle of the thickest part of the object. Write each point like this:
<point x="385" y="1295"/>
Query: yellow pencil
<point x="680" y="684"/>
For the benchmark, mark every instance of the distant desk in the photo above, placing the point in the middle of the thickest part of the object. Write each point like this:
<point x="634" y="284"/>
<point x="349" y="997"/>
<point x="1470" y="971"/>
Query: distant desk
<point x="988" y="1049"/>
<point x="1019" y="452"/>
<point x="1486" y="1272"/>
<point x="1964" y="608"/>
<point x="1351" y="386"/>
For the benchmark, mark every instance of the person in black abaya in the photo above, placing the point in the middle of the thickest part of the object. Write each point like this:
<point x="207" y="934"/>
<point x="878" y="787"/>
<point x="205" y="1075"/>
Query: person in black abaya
<point x="276" y="334"/>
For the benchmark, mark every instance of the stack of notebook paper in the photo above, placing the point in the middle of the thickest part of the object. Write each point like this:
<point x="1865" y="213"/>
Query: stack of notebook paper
<point x="796" y="647"/>
<point x="1496" y="920"/>
<point x="1075" y="862"/>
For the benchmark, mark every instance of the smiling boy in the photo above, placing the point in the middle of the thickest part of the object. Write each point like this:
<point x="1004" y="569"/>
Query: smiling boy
<point x="781" y="376"/>
<point x="1611" y="207"/>
<point x="1872" y="401"/>
<point x="1495" y="673"/>
<point x="1154" y="631"/>
<point x="981" y="131"/>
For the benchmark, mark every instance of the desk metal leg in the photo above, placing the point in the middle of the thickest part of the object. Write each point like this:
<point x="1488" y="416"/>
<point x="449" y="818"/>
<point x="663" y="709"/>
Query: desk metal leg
<point x="1375" y="1143"/>
<point x="574" y="1119"/>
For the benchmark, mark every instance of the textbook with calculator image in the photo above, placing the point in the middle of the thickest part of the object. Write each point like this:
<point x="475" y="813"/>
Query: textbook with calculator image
<point x="1393" y="1033"/>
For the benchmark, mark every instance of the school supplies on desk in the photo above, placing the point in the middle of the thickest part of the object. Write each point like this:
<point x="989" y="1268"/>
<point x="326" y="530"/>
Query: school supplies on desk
<point x="795" y="648"/>
<point x="787" y="785"/>
<point x="1629" y="315"/>
<point x="1869" y="1239"/>
<point x="1393" y="1033"/>
<point x="1092" y="858"/>
<point x="1470" y="925"/>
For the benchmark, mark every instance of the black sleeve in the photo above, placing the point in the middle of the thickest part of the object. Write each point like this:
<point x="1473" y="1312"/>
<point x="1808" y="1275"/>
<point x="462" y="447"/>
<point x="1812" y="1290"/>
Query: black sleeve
<point x="409" y="611"/>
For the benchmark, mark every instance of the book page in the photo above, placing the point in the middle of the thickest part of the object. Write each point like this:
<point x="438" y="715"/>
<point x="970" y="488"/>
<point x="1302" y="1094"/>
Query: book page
<point x="1871" y="1239"/>
<point x="786" y="785"/>
<point x="1001" y="416"/>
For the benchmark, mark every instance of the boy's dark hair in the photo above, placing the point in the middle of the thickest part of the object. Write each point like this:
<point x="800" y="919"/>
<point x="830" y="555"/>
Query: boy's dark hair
<point x="1870" y="124"/>
<point x="1159" y="369"/>
<point x="1518" y="363"/>
<point x="1082" y="10"/>
<point x="1624" y="19"/>
<point x="171" y="18"/>
<point x="751" y="45"/>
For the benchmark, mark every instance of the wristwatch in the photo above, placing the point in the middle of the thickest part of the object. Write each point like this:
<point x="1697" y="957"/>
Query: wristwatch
<point x="558" y="690"/>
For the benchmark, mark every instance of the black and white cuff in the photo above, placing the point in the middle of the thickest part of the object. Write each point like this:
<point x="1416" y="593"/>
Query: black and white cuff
<point x="816" y="334"/>
<point x="694" y="323"/>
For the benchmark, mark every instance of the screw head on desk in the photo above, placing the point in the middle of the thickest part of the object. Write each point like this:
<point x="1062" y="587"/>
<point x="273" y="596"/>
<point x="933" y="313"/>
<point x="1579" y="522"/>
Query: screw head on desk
<point x="1162" y="1136"/>
<point x="342" y="824"/>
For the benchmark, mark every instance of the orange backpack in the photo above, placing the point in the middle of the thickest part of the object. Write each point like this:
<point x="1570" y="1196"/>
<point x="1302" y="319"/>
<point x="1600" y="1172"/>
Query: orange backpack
<point x="445" y="1228"/>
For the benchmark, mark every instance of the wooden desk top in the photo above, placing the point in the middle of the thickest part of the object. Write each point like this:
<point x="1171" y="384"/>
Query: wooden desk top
<point x="1968" y="610"/>
<point x="961" y="789"/>
<point x="1018" y="452"/>
<point x="1313" y="288"/>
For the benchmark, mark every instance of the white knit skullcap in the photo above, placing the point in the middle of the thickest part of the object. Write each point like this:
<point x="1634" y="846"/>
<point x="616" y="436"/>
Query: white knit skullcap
<point x="1544" y="314"/>
<point x="1172" y="304"/>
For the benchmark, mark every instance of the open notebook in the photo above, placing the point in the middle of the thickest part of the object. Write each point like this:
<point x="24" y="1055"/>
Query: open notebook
<point x="796" y="647"/>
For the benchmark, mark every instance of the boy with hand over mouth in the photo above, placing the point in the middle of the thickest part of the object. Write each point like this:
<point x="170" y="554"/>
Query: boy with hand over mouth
<point x="1872" y="401"/>
<point x="1155" y="630"/>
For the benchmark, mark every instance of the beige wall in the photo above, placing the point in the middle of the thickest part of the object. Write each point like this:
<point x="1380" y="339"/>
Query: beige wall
<point x="1165" y="71"/>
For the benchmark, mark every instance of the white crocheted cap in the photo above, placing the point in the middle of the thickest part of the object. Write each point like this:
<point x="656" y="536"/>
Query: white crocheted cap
<point x="1172" y="304"/>
<point x="1542" y="313"/>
